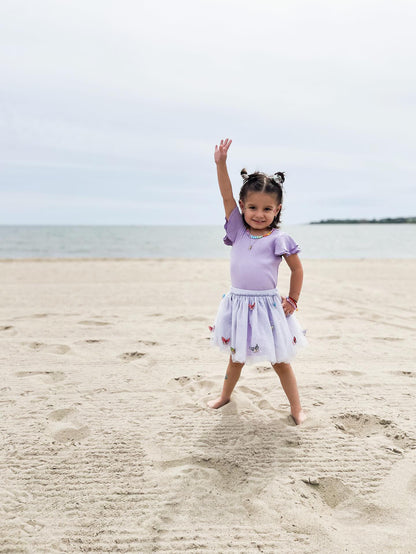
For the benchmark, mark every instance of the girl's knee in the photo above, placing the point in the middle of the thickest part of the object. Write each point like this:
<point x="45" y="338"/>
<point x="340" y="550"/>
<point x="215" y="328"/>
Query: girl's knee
<point x="236" y="364"/>
<point x="281" y="367"/>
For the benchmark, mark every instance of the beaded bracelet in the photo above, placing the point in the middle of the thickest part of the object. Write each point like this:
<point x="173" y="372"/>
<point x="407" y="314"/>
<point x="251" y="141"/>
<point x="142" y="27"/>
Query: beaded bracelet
<point x="292" y="302"/>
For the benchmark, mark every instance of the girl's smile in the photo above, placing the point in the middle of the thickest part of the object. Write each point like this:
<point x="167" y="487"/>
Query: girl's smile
<point x="259" y="210"/>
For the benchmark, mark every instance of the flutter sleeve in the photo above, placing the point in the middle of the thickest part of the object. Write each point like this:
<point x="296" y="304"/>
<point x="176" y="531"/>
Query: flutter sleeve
<point x="233" y="226"/>
<point x="285" y="245"/>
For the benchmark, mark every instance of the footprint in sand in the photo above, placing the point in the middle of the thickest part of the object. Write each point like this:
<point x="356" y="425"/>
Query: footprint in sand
<point x="331" y="490"/>
<point x="406" y="373"/>
<point x="361" y="425"/>
<point x="256" y="398"/>
<point x="345" y="372"/>
<point x="7" y="402"/>
<point x="193" y="383"/>
<point x="265" y="405"/>
<point x="51" y="348"/>
<point x="333" y="317"/>
<point x="185" y="318"/>
<point x="130" y="356"/>
<point x="250" y="392"/>
<point x="90" y="394"/>
<point x="365" y="425"/>
<point x="195" y="388"/>
<point x="65" y="426"/>
<point x="8" y="330"/>
<point x="71" y="434"/>
<point x="47" y="376"/>
<point x="92" y="322"/>
<point x="33" y="316"/>
<point x="59" y="415"/>
<point x="264" y="369"/>
<point x="249" y="400"/>
<point x="388" y="339"/>
<point x="148" y="342"/>
<point x="183" y="380"/>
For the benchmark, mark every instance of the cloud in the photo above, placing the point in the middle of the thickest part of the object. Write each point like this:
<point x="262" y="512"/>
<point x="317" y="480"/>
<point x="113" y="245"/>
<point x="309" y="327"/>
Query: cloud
<point x="130" y="98"/>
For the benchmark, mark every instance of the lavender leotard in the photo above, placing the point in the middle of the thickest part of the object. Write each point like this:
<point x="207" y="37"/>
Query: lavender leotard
<point x="255" y="269"/>
<point x="251" y="325"/>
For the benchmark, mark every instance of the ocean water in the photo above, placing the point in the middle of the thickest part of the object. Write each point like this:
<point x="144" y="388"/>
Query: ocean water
<point x="316" y="241"/>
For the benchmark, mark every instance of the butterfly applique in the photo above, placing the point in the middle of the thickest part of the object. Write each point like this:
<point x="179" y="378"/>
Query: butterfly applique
<point x="255" y="348"/>
<point x="251" y="306"/>
<point x="224" y="340"/>
<point x="294" y="340"/>
<point x="211" y="328"/>
<point x="232" y="350"/>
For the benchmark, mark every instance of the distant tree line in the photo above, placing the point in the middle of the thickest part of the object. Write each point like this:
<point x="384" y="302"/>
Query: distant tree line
<point x="383" y="220"/>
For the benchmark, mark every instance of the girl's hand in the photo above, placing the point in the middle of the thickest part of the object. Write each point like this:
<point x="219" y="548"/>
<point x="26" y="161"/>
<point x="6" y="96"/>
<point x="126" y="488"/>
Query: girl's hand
<point x="220" y="155"/>
<point x="287" y="308"/>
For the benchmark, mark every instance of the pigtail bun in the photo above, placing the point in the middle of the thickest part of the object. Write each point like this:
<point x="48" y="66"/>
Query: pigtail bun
<point x="278" y="177"/>
<point x="244" y="174"/>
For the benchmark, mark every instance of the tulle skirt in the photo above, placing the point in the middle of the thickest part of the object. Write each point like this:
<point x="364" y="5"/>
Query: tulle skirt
<point x="252" y="327"/>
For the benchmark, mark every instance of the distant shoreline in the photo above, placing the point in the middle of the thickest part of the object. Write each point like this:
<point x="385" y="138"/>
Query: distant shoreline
<point x="355" y="221"/>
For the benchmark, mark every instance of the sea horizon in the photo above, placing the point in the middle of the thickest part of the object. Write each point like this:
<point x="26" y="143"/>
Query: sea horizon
<point x="336" y="241"/>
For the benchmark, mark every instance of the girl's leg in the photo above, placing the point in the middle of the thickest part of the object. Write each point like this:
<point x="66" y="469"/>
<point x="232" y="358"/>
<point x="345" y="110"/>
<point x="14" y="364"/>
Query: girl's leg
<point x="230" y="380"/>
<point x="288" y="380"/>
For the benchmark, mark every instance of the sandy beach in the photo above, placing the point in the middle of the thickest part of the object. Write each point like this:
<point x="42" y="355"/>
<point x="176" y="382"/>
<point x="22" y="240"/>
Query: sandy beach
<point x="107" y="444"/>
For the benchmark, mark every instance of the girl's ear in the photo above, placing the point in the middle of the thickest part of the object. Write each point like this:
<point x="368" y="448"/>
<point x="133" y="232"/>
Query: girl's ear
<point x="241" y="203"/>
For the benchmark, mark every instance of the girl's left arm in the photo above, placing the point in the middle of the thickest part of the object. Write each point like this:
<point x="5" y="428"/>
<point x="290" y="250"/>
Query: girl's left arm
<point x="296" y="280"/>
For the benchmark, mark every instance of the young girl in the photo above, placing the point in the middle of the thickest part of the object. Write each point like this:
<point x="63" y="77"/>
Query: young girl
<point x="253" y="322"/>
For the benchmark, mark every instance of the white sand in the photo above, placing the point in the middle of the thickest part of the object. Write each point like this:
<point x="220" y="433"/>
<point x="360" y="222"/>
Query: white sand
<point x="107" y="444"/>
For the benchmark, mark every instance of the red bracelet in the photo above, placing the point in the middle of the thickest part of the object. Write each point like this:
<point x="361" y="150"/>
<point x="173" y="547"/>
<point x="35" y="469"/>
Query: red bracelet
<point x="293" y="300"/>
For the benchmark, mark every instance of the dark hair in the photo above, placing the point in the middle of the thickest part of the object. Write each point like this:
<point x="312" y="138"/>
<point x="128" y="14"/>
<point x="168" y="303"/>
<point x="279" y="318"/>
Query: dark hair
<point x="260" y="182"/>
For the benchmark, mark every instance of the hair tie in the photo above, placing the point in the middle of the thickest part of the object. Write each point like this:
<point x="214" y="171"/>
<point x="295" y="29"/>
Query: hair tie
<point x="278" y="178"/>
<point x="244" y="174"/>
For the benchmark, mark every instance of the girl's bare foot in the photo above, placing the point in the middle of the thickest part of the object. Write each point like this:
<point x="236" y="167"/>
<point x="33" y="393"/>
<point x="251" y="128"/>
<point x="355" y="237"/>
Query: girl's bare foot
<point x="298" y="417"/>
<point x="217" y="403"/>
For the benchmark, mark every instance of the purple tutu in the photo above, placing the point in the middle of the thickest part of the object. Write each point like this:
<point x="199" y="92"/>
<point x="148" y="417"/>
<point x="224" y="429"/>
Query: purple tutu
<point x="252" y="327"/>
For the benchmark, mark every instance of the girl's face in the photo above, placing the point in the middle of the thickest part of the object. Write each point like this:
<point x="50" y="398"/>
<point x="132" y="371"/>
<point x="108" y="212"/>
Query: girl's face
<point x="259" y="209"/>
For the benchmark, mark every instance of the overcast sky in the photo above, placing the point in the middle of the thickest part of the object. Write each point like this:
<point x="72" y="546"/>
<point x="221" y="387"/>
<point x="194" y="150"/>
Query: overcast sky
<point x="110" y="110"/>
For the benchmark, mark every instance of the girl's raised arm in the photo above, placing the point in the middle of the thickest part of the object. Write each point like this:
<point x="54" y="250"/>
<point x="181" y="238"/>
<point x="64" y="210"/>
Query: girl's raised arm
<point x="224" y="182"/>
